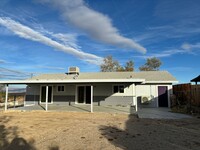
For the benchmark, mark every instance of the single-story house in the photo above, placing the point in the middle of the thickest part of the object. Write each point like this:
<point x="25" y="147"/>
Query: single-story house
<point x="149" y="88"/>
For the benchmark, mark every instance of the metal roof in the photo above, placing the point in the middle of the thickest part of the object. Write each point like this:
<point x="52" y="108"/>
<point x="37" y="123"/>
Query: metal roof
<point x="197" y="79"/>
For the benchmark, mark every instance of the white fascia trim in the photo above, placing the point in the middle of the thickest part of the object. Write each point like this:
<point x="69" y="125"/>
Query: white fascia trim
<point x="160" y="82"/>
<point x="71" y="81"/>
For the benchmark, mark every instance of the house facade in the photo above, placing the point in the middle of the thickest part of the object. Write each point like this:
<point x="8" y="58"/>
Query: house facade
<point x="148" y="88"/>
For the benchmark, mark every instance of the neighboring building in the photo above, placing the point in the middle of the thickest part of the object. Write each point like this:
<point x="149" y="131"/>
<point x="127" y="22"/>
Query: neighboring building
<point x="150" y="88"/>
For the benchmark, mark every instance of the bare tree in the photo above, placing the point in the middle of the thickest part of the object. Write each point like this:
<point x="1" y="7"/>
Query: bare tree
<point x="109" y="65"/>
<point x="152" y="64"/>
<point x="129" y="66"/>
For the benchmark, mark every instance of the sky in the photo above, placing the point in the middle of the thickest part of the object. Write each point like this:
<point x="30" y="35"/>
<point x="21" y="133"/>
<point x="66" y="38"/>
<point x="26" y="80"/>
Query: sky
<point x="48" y="36"/>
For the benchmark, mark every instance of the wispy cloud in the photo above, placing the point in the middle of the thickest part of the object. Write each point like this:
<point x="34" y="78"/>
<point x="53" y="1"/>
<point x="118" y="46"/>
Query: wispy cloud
<point x="179" y="69"/>
<point x="5" y="62"/>
<point x="2" y="61"/>
<point x="183" y="10"/>
<point x="190" y="47"/>
<point x="50" y="67"/>
<point x="178" y="19"/>
<point x="69" y="39"/>
<point x="95" y="24"/>
<point x="181" y="18"/>
<point x="13" y="74"/>
<point x="166" y="53"/>
<point x="30" y="34"/>
<point x="156" y="34"/>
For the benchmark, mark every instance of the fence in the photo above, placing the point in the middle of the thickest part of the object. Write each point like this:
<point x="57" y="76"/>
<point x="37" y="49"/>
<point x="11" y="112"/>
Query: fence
<point x="14" y="99"/>
<point x="187" y="94"/>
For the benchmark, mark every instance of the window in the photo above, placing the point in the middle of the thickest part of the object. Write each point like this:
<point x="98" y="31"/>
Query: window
<point x="61" y="88"/>
<point x="118" y="89"/>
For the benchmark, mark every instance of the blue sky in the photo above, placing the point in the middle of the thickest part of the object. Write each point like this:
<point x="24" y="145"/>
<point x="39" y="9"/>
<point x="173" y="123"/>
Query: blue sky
<point x="48" y="36"/>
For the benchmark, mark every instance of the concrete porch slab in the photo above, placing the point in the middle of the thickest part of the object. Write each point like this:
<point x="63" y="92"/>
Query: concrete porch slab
<point x="160" y="113"/>
<point x="79" y="108"/>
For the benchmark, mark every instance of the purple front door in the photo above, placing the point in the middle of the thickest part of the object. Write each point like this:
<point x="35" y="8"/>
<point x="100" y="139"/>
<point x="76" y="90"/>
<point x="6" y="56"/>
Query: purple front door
<point x="162" y="96"/>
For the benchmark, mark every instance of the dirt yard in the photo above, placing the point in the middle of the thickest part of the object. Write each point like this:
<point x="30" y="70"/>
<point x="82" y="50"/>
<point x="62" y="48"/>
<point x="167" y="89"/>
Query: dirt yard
<point x="67" y="130"/>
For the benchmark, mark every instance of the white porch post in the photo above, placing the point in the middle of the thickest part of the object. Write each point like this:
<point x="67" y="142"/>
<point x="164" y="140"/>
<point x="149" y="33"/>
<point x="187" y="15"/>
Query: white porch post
<point x="136" y="102"/>
<point x="6" y="100"/>
<point x="91" y="98"/>
<point x="47" y="88"/>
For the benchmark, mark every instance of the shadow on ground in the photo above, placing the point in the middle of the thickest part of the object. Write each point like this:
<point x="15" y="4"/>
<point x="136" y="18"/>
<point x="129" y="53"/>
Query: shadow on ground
<point x="9" y="138"/>
<point x="154" y="134"/>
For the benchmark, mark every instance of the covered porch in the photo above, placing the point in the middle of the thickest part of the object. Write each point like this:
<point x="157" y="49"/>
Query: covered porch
<point x="44" y="101"/>
<point x="82" y="100"/>
<point x="78" y="108"/>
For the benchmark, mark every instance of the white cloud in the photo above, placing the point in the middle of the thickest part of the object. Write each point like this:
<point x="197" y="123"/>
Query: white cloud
<point x="5" y="62"/>
<point x="95" y="24"/>
<point x="189" y="47"/>
<point x="186" y="46"/>
<point x="28" y="33"/>
<point x="69" y="39"/>
<point x="2" y="61"/>
<point x="166" y="53"/>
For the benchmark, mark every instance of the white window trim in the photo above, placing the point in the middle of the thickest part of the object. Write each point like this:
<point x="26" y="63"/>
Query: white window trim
<point x="60" y="91"/>
<point x="76" y="94"/>
<point x="118" y="88"/>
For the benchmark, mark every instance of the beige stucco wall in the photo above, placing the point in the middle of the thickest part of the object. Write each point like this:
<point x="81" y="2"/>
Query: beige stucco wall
<point x="98" y="89"/>
<point x="69" y="89"/>
<point x="151" y="91"/>
<point x="146" y="90"/>
<point x="33" y="90"/>
<point x="106" y="89"/>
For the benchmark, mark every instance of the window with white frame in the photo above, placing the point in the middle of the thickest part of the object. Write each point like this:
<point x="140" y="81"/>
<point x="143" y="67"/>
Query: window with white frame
<point x="61" y="88"/>
<point x="118" y="89"/>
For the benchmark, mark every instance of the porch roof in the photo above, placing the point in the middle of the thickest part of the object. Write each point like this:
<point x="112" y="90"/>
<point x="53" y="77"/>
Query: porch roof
<point x="70" y="81"/>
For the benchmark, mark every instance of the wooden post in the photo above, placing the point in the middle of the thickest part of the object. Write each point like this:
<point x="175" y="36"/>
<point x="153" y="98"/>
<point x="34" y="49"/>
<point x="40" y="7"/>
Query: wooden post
<point x="6" y="100"/>
<point x="47" y="92"/>
<point x="91" y="98"/>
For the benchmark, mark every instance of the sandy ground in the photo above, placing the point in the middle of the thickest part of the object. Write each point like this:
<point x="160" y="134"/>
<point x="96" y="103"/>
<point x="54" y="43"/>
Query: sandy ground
<point x="72" y="130"/>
